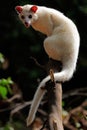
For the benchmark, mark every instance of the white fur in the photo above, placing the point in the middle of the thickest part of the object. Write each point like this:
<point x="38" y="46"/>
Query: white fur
<point x="62" y="43"/>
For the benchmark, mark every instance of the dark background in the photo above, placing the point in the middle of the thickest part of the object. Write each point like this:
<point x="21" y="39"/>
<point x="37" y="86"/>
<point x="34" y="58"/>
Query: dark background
<point x="18" y="44"/>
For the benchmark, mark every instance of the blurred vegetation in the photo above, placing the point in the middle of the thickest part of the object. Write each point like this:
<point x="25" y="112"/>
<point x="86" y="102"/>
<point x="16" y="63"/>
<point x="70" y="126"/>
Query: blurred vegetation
<point x="5" y="87"/>
<point x="18" y="44"/>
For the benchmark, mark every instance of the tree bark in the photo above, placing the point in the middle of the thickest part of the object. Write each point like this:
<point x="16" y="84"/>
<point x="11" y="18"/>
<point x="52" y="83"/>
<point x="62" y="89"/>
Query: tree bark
<point x="55" y="107"/>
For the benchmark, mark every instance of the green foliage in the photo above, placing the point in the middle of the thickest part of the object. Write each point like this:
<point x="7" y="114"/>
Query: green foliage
<point x="3" y="92"/>
<point x="2" y="59"/>
<point x="5" y="87"/>
<point x="63" y="103"/>
<point x="8" y="126"/>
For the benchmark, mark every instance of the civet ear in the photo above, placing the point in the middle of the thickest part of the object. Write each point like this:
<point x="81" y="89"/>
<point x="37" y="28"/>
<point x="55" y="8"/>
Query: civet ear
<point x="34" y="8"/>
<point x="18" y="9"/>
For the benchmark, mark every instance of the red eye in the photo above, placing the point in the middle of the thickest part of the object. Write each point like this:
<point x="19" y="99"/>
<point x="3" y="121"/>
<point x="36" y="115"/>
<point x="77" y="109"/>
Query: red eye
<point x="22" y="17"/>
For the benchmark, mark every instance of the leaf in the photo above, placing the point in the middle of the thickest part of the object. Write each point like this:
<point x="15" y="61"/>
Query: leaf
<point x="3" y="92"/>
<point x="2" y="58"/>
<point x="3" y="82"/>
<point x="6" y="82"/>
<point x="8" y="128"/>
<point x="9" y="80"/>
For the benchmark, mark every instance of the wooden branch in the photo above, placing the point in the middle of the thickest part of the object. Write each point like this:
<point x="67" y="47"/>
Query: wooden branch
<point x="19" y="107"/>
<point x="55" y="116"/>
<point x="55" y="104"/>
<point x="80" y="92"/>
<point x="16" y="96"/>
<point x="77" y="115"/>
